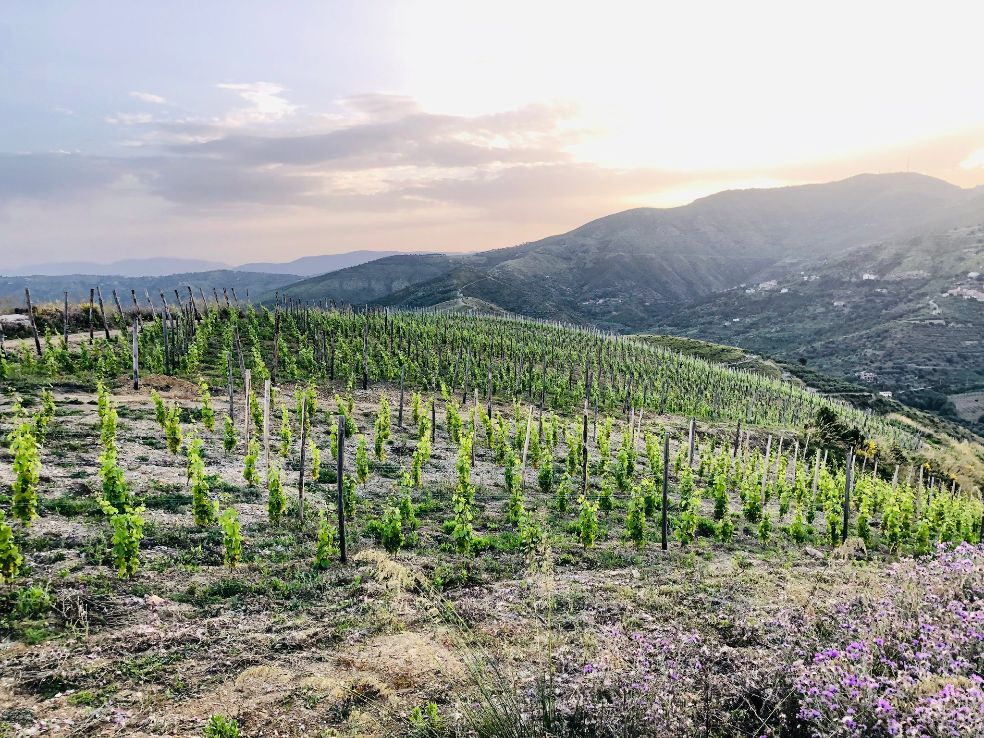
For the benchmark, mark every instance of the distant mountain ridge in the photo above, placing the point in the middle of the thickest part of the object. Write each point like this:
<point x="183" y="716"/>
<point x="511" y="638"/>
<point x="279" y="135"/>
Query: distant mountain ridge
<point x="46" y="288"/>
<point x="151" y="267"/>
<point x="306" y="266"/>
<point x="626" y="270"/>
<point x="730" y="268"/>
<point x="309" y="266"/>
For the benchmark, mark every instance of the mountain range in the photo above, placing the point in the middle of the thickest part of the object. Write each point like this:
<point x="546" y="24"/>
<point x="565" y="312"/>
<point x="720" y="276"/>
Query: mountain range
<point x="306" y="266"/>
<point x="869" y="275"/>
<point x="876" y="278"/>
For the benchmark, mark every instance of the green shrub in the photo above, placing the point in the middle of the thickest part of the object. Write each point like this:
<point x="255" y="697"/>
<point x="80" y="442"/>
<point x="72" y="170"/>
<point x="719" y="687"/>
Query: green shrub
<point x="221" y="727"/>
<point x="10" y="555"/>
<point x="232" y="537"/>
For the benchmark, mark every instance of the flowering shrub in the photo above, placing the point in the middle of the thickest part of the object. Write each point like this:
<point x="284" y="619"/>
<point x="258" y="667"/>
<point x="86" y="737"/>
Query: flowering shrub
<point x="908" y="663"/>
<point x="905" y="662"/>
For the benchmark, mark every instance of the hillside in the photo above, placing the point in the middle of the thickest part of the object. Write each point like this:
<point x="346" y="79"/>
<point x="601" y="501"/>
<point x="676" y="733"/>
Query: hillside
<point x="626" y="270"/>
<point x="759" y="268"/>
<point x="45" y="288"/>
<point x="908" y="314"/>
<point x="310" y="266"/>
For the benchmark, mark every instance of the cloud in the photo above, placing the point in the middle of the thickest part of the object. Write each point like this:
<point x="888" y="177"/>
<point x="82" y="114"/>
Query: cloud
<point x="379" y="166"/>
<point x="267" y="105"/>
<point x="148" y="97"/>
<point x="404" y="136"/>
<point x="974" y="161"/>
<point x="55" y="176"/>
<point x="130" y="119"/>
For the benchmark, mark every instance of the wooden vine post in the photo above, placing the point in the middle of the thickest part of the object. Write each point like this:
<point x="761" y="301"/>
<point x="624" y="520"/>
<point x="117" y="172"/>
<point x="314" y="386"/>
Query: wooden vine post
<point x="135" y="348"/>
<point x="92" y="300"/>
<point x="765" y="468"/>
<point x="247" y="391"/>
<point x="488" y="401"/>
<point x="65" y="322"/>
<point x="403" y="372"/>
<point x="664" y="521"/>
<point x="340" y="501"/>
<point x="526" y="446"/>
<point x="136" y="308"/>
<point x="693" y="432"/>
<point x="102" y="311"/>
<point x="365" y="354"/>
<point x="847" y="494"/>
<point x="232" y="409"/>
<point x="300" y="474"/>
<point x="266" y="422"/>
<point x="584" y="448"/>
<point x="34" y="325"/>
<point x="276" y="340"/>
<point x="119" y="310"/>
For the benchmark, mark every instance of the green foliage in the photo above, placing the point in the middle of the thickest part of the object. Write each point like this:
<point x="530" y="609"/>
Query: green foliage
<point x="362" y="461"/>
<point x="765" y="527"/>
<point x="463" y="467"/>
<point x="587" y="522"/>
<point x="203" y="507"/>
<point x="219" y="726"/>
<point x="516" y="508"/>
<point x="27" y="473"/>
<point x="229" y="435"/>
<point x="333" y="437"/>
<point x="426" y="722"/>
<point x="347" y="410"/>
<point x="797" y="529"/>
<point x="545" y="477"/>
<point x="44" y="416"/>
<point x="565" y="490"/>
<point x="286" y="435"/>
<point x="635" y="519"/>
<point x="391" y="529"/>
<point x="160" y="409"/>
<point x="408" y="511"/>
<point x="726" y="529"/>
<point x="604" y="444"/>
<point x="207" y="411"/>
<point x="327" y="547"/>
<point x="276" y="499"/>
<point x="250" y="472"/>
<point x="350" y="497"/>
<point x="127" y="534"/>
<point x="10" y="555"/>
<point x="306" y="399"/>
<point x="534" y="542"/>
<point x="606" y="495"/>
<point x="720" y="495"/>
<point x="232" y="537"/>
<point x="753" y="505"/>
<point x="455" y="424"/>
<point x="462" y="532"/>
<point x="383" y="428"/>
<point x="315" y="453"/>
<point x="623" y="472"/>
<point x="32" y="603"/>
<point x="256" y="412"/>
<point x="650" y="499"/>
<point x="172" y="429"/>
<point x="115" y="490"/>
<point x="421" y="455"/>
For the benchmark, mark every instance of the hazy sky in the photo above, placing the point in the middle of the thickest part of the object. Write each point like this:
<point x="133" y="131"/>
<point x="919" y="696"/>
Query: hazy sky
<point x="245" y="130"/>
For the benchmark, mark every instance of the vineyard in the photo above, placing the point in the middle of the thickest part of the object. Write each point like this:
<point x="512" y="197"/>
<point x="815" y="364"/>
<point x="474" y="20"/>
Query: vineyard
<point x="222" y="519"/>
